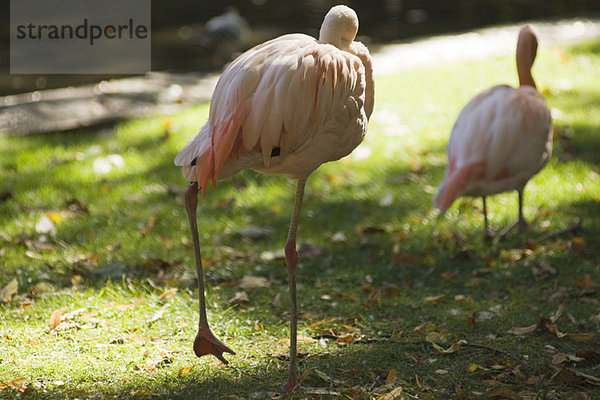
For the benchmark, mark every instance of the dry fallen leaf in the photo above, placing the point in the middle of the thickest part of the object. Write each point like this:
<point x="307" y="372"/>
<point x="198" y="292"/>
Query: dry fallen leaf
<point x="578" y="245"/>
<point x="277" y="300"/>
<point x="374" y="297"/>
<point x="8" y="291"/>
<point x="149" y="225"/>
<point x="433" y="300"/>
<point x="259" y="326"/>
<point x="249" y="282"/>
<point x="585" y="283"/>
<point x="184" y="371"/>
<point x="300" y="339"/>
<point x="134" y="304"/>
<point x="145" y="367"/>
<point x="306" y="373"/>
<point x="348" y="296"/>
<point x="521" y="331"/>
<point x="581" y="337"/>
<point x="322" y="322"/>
<point x="41" y="287"/>
<point x="395" y="394"/>
<point x="124" y="307"/>
<point x="424" y="329"/>
<point x="76" y="280"/>
<point x="414" y="164"/>
<point x="391" y="377"/>
<point x="346" y="339"/>
<point x="474" y="367"/>
<point x="558" y="313"/>
<point x="323" y="376"/>
<point x="543" y="270"/>
<point x="392" y="291"/>
<point x="55" y="317"/>
<point x="547" y="322"/>
<point x="452" y="349"/>
<point x="462" y="297"/>
<point x="238" y="298"/>
<point x="473" y="282"/>
<point x="15" y="384"/>
<point x="561" y="358"/>
<point x="158" y="314"/>
<point x="404" y="259"/>
<point x="167" y="294"/>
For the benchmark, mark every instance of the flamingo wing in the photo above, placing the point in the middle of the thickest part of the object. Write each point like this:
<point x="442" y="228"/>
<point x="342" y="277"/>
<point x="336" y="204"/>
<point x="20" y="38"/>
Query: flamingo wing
<point x="272" y="103"/>
<point x="501" y="138"/>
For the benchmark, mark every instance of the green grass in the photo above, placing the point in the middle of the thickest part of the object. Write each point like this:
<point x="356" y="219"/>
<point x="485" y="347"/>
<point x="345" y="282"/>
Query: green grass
<point x="123" y="236"/>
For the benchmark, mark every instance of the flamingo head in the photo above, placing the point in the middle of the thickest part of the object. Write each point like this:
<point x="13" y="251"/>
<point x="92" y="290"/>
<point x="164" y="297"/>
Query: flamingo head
<point x="528" y="42"/>
<point x="339" y="27"/>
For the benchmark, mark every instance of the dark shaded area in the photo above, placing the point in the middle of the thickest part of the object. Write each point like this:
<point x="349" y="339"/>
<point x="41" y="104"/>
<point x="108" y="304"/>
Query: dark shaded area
<point x="381" y="21"/>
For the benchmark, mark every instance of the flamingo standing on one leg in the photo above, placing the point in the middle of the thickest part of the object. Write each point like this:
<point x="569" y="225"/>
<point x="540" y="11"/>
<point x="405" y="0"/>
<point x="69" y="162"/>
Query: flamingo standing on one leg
<point x="501" y="139"/>
<point x="283" y="107"/>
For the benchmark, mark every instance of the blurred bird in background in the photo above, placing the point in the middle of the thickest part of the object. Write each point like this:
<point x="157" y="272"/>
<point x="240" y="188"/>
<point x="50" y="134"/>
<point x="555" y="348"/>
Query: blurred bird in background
<point x="500" y="140"/>
<point x="221" y="38"/>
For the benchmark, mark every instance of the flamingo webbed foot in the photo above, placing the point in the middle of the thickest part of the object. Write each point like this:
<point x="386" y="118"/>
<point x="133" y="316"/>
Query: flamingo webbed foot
<point x="206" y="343"/>
<point x="523" y="225"/>
<point x="488" y="236"/>
<point x="519" y="223"/>
<point x="292" y="383"/>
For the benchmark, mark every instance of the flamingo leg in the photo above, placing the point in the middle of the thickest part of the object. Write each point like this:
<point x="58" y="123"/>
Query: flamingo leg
<point x="291" y="259"/>
<point x="205" y="342"/>
<point x="522" y="223"/>
<point x="487" y="235"/>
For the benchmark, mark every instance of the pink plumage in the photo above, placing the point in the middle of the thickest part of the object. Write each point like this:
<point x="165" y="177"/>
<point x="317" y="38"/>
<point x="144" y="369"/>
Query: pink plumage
<point x="501" y="138"/>
<point x="300" y="98"/>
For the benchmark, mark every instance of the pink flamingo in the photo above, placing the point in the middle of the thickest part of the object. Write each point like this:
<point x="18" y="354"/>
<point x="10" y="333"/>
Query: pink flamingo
<point x="283" y="107"/>
<point x="501" y="139"/>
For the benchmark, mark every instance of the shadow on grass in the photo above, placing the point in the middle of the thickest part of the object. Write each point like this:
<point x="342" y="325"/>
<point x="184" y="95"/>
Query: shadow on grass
<point x="578" y="140"/>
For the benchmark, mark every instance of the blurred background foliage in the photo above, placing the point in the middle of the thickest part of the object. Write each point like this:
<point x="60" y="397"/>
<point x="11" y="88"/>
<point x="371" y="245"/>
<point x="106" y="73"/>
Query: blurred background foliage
<point x="383" y="20"/>
<point x="178" y="43"/>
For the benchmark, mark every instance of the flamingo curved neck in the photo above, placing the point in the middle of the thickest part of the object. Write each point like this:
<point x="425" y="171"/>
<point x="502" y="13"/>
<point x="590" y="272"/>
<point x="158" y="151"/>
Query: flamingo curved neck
<point x="525" y="76"/>
<point x="526" y="52"/>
